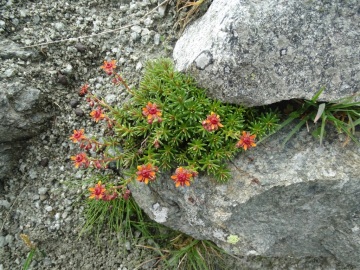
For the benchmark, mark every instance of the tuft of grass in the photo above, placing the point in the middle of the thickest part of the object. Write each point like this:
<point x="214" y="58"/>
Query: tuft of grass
<point x="343" y="114"/>
<point x="189" y="253"/>
<point x="34" y="251"/>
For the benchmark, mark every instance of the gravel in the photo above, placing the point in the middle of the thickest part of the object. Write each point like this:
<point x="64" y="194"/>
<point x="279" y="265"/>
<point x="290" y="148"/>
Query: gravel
<point x="45" y="197"/>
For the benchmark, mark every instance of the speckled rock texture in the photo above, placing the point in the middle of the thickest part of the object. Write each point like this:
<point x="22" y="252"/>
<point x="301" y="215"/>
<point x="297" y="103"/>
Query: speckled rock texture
<point x="256" y="52"/>
<point x="299" y="201"/>
<point x="25" y="110"/>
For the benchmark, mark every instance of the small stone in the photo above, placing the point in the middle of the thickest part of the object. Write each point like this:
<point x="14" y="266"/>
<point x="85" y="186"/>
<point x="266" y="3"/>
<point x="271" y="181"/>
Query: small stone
<point x="80" y="47"/>
<point x="161" y="10"/>
<point x="74" y="102"/>
<point x="2" y="241"/>
<point x="57" y="216"/>
<point x="36" y="19"/>
<point x="48" y="208"/>
<point x="62" y="79"/>
<point x="138" y="66"/>
<point x="148" y="21"/>
<point x="2" y="24"/>
<point x="134" y="36"/>
<point x="67" y="70"/>
<point x="79" y="112"/>
<point x="157" y="39"/>
<point x="64" y="215"/>
<point x="59" y="26"/>
<point x="5" y="204"/>
<point x="127" y="245"/>
<point x="44" y="162"/>
<point x="9" y="73"/>
<point x="136" y="29"/>
<point x="9" y="239"/>
<point x="110" y="99"/>
<point x="42" y="190"/>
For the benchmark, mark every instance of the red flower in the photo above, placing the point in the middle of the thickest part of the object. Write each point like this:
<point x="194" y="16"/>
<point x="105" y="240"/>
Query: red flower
<point x="80" y="159"/>
<point x="152" y="112"/>
<point x="109" y="66"/>
<point x="83" y="90"/>
<point x="183" y="176"/>
<point x="78" y="135"/>
<point x="212" y="122"/>
<point x="246" y="140"/>
<point x="146" y="172"/>
<point x="97" y="192"/>
<point x="97" y="114"/>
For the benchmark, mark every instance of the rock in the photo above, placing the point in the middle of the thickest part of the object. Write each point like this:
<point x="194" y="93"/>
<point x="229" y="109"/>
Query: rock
<point x="5" y="204"/>
<point x="42" y="190"/>
<point x="10" y="49"/>
<point x="79" y="112"/>
<point x="298" y="201"/>
<point x="44" y="162"/>
<point x="23" y="112"/>
<point x="261" y="52"/>
<point x="74" y="103"/>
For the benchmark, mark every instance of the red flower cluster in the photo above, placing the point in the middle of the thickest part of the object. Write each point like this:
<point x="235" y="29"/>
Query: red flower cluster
<point x="246" y="141"/>
<point x="212" y="122"/>
<point x="152" y="113"/>
<point x="146" y="173"/>
<point x="183" y="176"/>
<point x="109" y="66"/>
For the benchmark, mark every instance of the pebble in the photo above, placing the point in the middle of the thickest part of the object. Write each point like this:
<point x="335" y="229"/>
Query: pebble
<point x="136" y="29"/>
<point x="5" y="204"/>
<point x="74" y="102"/>
<point x="157" y="39"/>
<point x="110" y="99"/>
<point x="138" y="66"/>
<point x="128" y="245"/>
<point x="161" y="10"/>
<point x="42" y="190"/>
<point x="62" y="79"/>
<point x="59" y="26"/>
<point x="148" y="21"/>
<point x="44" y="162"/>
<point x="79" y="112"/>
<point x="9" y="239"/>
<point x="2" y="241"/>
<point x="48" y="208"/>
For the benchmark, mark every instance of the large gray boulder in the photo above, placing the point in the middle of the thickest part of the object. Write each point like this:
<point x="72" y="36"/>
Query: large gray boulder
<point x="25" y="110"/>
<point x="23" y="114"/>
<point x="299" y="201"/>
<point x="256" y="52"/>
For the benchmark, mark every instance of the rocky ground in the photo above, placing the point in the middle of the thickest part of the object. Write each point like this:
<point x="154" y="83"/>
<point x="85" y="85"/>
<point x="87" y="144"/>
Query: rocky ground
<point x="44" y="196"/>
